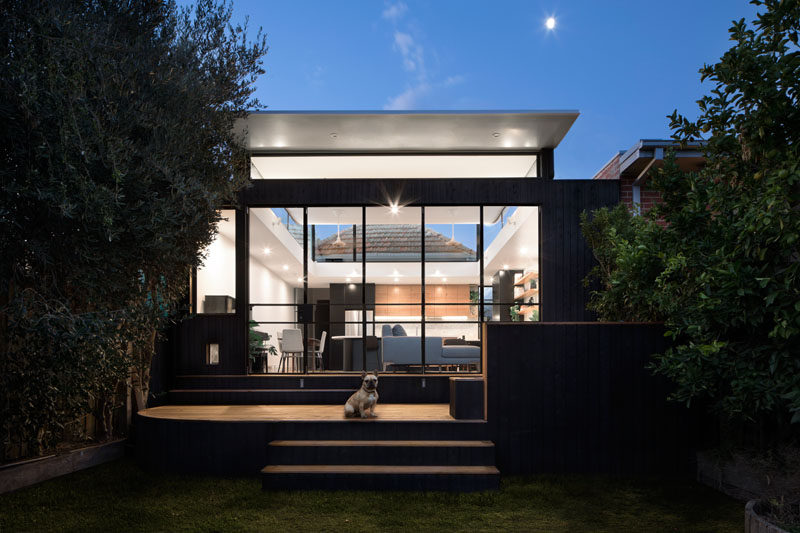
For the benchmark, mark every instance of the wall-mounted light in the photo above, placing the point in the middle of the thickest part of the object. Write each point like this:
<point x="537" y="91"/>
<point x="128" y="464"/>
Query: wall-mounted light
<point x="351" y="286"/>
<point x="394" y="208"/>
<point x="300" y="279"/>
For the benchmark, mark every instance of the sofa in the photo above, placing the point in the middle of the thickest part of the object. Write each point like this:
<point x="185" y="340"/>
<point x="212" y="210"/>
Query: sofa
<point x="404" y="350"/>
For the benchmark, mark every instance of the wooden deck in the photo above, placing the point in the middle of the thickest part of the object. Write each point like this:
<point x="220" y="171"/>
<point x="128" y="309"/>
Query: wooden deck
<point x="298" y="413"/>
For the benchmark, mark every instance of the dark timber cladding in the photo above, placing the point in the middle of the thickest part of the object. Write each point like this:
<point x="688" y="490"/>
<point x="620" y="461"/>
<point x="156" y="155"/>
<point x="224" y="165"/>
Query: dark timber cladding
<point x="565" y="259"/>
<point x="581" y="399"/>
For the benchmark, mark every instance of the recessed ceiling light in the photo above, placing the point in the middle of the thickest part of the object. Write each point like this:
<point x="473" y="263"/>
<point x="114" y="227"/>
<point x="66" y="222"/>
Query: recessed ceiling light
<point x="496" y="134"/>
<point x="444" y="279"/>
<point x="286" y="267"/>
<point x="347" y="279"/>
<point x="505" y="267"/>
<point x="300" y="279"/>
<point x="334" y="135"/>
<point x="396" y="280"/>
<point x="267" y="250"/>
<point x="523" y="250"/>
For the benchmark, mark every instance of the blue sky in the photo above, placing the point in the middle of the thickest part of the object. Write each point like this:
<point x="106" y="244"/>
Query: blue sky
<point x="624" y="65"/>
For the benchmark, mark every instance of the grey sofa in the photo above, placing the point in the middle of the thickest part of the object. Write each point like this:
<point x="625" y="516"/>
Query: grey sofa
<point x="407" y="351"/>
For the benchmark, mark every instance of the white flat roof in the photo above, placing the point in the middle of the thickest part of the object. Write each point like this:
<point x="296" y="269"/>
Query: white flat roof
<point x="404" y="131"/>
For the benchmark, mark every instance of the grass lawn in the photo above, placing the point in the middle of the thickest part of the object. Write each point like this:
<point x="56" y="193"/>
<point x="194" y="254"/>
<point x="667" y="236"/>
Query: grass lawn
<point x="120" y="497"/>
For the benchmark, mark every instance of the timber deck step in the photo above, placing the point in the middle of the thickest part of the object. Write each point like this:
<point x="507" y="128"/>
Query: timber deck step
<point x="382" y="452"/>
<point x="381" y="477"/>
<point x="451" y="465"/>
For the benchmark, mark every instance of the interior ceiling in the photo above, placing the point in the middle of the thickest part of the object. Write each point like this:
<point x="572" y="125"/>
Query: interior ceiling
<point x="393" y="166"/>
<point x="322" y="131"/>
<point x="266" y="231"/>
<point x="405" y="215"/>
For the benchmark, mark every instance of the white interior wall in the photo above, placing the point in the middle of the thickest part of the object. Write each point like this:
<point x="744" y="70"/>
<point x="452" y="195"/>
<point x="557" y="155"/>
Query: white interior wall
<point x="268" y="287"/>
<point x="217" y="276"/>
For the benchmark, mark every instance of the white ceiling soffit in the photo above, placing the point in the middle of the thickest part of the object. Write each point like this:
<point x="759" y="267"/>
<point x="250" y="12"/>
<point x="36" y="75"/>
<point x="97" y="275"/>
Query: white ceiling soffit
<point x="393" y="166"/>
<point x="405" y="215"/>
<point x="386" y="131"/>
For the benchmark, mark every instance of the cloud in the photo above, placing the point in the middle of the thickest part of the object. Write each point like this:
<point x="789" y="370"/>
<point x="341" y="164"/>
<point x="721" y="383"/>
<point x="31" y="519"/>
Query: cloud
<point x="394" y="12"/>
<point x="413" y="56"/>
<point x="407" y="99"/>
<point x="413" y="53"/>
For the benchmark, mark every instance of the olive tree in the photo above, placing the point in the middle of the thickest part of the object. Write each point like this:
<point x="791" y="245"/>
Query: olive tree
<point x="118" y="150"/>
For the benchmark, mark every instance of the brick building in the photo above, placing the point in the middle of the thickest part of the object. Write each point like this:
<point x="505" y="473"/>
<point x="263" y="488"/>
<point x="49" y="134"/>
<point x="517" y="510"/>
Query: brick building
<point x="632" y="168"/>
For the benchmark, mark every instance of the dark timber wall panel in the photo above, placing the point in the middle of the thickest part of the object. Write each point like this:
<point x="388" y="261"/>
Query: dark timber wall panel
<point x="191" y="336"/>
<point x="578" y="398"/>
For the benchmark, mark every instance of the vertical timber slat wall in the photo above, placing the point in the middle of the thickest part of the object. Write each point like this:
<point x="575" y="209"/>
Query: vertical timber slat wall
<point x="580" y="399"/>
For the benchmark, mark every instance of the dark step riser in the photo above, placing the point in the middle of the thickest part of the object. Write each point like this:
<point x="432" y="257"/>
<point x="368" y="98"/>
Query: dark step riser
<point x="397" y="390"/>
<point x="380" y="455"/>
<point x="380" y="431"/>
<point x="415" y="482"/>
<point x="265" y="397"/>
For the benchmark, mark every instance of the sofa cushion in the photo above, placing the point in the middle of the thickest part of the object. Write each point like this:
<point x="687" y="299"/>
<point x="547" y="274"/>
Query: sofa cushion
<point x="399" y="331"/>
<point x="386" y="331"/>
<point x="461" y="352"/>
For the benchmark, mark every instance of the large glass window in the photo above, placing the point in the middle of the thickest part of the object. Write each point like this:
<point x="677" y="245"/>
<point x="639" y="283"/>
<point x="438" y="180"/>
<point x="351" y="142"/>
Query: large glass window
<point x="511" y="263"/>
<point x="216" y="277"/>
<point x="276" y="287"/>
<point x="394" y="288"/>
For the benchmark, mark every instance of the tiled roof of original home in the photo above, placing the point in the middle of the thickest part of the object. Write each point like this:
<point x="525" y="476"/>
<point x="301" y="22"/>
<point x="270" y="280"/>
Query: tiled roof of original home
<point x="386" y="241"/>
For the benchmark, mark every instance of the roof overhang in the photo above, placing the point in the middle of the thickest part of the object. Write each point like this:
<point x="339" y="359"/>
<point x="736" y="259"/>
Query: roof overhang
<point x="647" y="154"/>
<point x="398" y="132"/>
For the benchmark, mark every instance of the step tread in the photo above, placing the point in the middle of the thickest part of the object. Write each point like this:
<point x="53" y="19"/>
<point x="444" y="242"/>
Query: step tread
<point x="386" y="443"/>
<point x="263" y="390"/>
<point x="380" y="469"/>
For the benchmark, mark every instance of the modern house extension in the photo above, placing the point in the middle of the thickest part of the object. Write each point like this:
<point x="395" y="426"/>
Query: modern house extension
<point x="386" y="239"/>
<point x="438" y="249"/>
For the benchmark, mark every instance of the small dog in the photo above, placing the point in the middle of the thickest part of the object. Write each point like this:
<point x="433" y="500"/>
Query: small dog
<point x="363" y="401"/>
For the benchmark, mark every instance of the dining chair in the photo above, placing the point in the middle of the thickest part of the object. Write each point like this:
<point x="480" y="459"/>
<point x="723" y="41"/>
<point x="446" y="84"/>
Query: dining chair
<point x="317" y="354"/>
<point x="291" y="346"/>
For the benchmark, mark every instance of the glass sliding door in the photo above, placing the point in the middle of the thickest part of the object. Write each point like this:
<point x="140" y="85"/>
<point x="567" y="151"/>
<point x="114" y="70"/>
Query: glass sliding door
<point x="335" y="297"/>
<point x="392" y="288"/>
<point x="452" y="279"/>
<point x="393" y="255"/>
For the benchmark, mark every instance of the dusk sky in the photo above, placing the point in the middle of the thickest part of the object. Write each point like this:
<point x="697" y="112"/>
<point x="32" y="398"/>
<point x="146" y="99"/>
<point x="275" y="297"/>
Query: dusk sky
<point x="623" y="65"/>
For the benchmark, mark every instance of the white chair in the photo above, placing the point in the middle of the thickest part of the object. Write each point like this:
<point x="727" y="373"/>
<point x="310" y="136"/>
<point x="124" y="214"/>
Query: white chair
<point x="319" y="350"/>
<point x="291" y="346"/>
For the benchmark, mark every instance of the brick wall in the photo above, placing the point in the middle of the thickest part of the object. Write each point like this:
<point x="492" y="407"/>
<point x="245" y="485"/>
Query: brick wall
<point x="610" y="171"/>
